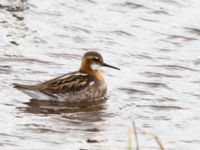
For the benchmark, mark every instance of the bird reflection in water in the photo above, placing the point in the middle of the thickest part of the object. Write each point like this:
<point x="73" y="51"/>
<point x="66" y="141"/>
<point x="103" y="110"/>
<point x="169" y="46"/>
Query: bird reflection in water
<point x="81" y="111"/>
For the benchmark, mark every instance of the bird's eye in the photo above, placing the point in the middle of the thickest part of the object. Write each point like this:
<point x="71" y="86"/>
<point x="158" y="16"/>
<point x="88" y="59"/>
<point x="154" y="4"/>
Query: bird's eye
<point x="95" y="58"/>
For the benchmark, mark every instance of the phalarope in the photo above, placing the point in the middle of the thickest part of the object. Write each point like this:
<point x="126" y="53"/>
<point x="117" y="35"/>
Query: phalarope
<point x="85" y="85"/>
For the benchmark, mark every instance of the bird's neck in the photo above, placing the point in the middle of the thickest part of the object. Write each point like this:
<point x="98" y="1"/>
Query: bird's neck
<point x="96" y="73"/>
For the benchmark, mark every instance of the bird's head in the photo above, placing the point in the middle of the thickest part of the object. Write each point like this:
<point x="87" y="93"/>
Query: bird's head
<point x="93" y="61"/>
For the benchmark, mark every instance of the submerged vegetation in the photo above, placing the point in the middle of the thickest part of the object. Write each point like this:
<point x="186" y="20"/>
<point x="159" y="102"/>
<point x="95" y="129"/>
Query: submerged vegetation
<point x="133" y="130"/>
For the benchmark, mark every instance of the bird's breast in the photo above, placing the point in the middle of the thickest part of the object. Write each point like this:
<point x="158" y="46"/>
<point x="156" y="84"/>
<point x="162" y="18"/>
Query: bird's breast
<point x="98" y="75"/>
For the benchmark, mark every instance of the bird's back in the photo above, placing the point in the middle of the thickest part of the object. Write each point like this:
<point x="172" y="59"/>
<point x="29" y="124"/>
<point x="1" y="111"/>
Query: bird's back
<point x="71" y="87"/>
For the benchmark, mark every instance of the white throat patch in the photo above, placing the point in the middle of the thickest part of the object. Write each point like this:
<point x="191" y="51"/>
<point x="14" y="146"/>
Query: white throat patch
<point x="95" y="67"/>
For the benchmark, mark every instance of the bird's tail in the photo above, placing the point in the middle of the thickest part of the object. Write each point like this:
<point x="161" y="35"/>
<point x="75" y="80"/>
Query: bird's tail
<point x="30" y="90"/>
<point x="23" y="86"/>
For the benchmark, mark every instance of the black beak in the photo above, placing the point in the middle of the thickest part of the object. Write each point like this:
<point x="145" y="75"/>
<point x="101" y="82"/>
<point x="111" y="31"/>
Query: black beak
<point x="106" y="65"/>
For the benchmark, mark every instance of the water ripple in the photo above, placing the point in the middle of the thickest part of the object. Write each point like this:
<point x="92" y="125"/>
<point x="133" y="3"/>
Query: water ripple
<point x="160" y="75"/>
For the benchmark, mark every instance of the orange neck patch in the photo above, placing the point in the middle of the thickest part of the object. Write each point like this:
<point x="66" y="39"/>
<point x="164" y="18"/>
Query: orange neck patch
<point x="86" y="67"/>
<point x="97" y="74"/>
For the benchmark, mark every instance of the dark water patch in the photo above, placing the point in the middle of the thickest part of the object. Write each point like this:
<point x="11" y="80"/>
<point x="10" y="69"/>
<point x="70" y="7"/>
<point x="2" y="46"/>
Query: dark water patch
<point x="39" y="40"/>
<point x="9" y="105"/>
<point x="167" y="99"/>
<point x="171" y="37"/>
<point x="3" y="21"/>
<point x="196" y="62"/>
<point x="178" y="44"/>
<point x="142" y="56"/>
<point x="119" y="10"/>
<point x="159" y="75"/>
<point x="121" y="33"/>
<point x="191" y="141"/>
<point x="153" y="84"/>
<point x="10" y="136"/>
<point x="175" y="67"/>
<point x="84" y="117"/>
<point x="196" y="81"/>
<point x="77" y="29"/>
<point x="49" y="13"/>
<point x="161" y="107"/>
<point x="166" y="118"/>
<point x="166" y="50"/>
<point x="44" y="130"/>
<point x="8" y="143"/>
<point x="192" y="94"/>
<point x="62" y="36"/>
<point x="130" y="103"/>
<point x="64" y="55"/>
<point x="89" y="1"/>
<point x="171" y="2"/>
<point x="184" y="38"/>
<point x="25" y="59"/>
<point x="161" y="12"/>
<point x="108" y="42"/>
<point x="195" y="31"/>
<point x="163" y="58"/>
<point x="92" y="141"/>
<point x="14" y="43"/>
<point x="145" y="125"/>
<point x="19" y="18"/>
<point x="134" y="91"/>
<point x="149" y="20"/>
<point x="5" y="69"/>
<point x="37" y="72"/>
<point x="132" y="5"/>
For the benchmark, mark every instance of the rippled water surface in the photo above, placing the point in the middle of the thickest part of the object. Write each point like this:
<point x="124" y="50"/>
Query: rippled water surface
<point x="156" y="45"/>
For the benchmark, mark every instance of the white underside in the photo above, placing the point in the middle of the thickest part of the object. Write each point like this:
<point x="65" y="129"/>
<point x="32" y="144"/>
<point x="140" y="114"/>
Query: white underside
<point x="39" y="95"/>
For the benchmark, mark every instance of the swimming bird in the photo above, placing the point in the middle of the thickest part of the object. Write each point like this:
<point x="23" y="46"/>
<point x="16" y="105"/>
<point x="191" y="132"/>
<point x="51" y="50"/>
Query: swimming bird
<point x="85" y="85"/>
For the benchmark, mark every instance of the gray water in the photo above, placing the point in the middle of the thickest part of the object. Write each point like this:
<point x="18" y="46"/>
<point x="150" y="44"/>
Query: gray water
<point x="156" y="45"/>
